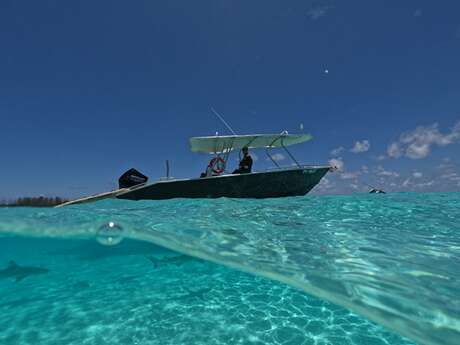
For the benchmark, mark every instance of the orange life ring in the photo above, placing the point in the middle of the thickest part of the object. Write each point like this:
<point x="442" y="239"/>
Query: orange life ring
<point x="217" y="164"/>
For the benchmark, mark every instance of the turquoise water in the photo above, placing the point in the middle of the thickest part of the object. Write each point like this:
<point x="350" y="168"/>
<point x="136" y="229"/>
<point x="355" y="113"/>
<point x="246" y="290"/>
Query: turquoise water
<point x="363" y="269"/>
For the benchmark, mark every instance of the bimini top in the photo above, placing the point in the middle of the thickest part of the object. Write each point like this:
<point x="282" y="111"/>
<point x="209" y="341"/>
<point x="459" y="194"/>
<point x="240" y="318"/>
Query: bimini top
<point x="225" y="143"/>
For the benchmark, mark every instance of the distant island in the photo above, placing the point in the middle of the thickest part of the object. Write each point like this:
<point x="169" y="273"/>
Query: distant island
<point x="40" y="201"/>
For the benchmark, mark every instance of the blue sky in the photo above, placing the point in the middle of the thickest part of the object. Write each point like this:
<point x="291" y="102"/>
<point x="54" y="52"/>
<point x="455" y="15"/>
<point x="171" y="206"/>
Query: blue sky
<point x="89" y="89"/>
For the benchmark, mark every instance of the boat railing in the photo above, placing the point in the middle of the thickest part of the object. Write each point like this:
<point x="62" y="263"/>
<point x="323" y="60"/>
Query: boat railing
<point x="267" y="150"/>
<point x="295" y="166"/>
<point x="228" y="173"/>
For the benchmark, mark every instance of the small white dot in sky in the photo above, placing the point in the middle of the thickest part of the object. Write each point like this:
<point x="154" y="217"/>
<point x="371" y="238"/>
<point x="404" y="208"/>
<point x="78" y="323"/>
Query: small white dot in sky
<point x="326" y="71"/>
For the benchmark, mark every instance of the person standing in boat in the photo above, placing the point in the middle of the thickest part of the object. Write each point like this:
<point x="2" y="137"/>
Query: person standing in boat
<point x="245" y="165"/>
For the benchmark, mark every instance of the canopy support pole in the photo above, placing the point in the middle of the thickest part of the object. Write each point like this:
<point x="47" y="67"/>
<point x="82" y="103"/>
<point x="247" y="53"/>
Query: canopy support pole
<point x="271" y="158"/>
<point x="167" y="169"/>
<point x="227" y="154"/>
<point x="289" y="153"/>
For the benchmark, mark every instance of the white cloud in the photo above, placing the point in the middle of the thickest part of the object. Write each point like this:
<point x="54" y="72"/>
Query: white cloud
<point x="446" y="165"/>
<point x="325" y="185"/>
<point x="317" y="12"/>
<point x="424" y="184"/>
<point x="394" y="150"/>
<point x="418" y="151"/>
<point x="388" y="173"/>
<point x="365" y="169"/>
<point x="277" y="157"/>
<point x="338" y="163"/>
<point x="361" y="146"/>
<point x="406" y="182"/>
<point x="417" y="174"/>
<point x="417" y="144"/>
<point x="452" y="176"/>
<point x="449" y="175"/>
<point x="382" y="172"/>
<point x="349" y="175"/>
<point x="381" y="158"/>
<point x="337" y="151"/>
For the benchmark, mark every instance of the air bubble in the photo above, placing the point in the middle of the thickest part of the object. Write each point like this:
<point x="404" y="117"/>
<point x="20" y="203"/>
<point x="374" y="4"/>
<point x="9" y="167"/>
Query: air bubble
<point x="109" y="234"/>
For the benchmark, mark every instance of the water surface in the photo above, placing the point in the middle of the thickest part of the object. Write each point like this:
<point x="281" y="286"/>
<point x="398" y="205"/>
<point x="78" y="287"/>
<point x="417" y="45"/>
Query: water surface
<point x="364" y="269"/>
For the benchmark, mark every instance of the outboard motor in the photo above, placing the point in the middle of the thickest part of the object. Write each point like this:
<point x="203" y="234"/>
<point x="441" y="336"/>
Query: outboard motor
<point x="131" y="178"/>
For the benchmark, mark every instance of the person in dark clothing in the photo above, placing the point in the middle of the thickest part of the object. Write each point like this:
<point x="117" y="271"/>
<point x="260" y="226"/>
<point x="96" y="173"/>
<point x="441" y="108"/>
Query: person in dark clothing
<point x="245" y="165"/>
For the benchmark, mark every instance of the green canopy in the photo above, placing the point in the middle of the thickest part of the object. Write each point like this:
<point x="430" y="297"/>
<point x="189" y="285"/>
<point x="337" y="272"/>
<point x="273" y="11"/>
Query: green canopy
<point x="225" y="143"/>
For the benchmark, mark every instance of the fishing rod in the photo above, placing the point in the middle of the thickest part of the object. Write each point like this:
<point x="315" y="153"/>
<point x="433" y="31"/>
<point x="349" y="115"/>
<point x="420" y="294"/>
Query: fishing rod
<point x="221" y="118"/>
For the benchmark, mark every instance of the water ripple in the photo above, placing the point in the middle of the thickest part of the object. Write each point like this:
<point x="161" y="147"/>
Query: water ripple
<point x="392" y="258"/>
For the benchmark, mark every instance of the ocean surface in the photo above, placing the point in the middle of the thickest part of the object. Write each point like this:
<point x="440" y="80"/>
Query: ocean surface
<point x="357" y="270"/>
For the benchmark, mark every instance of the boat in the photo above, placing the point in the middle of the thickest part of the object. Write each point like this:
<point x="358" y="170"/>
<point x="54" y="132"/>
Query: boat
<point x="294" y="180"/>
<point x="376" y="191"/>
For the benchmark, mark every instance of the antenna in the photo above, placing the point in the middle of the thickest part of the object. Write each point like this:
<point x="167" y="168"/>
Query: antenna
<point x="223" y="121"/>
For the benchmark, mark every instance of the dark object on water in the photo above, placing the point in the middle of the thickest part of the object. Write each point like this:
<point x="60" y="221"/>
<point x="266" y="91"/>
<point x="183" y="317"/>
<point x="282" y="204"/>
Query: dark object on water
<point x="131" y="178"/>
<point x="376" y="191"/>
<point x="268" y="184"/>
<point x="294" y="180"/>
<point x="13" y="270"/>
<point x="178" y="260"/>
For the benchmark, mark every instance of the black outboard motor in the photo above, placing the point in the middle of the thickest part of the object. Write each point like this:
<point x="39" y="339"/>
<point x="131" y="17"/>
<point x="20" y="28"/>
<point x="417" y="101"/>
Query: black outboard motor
<point x="131" y="178"/>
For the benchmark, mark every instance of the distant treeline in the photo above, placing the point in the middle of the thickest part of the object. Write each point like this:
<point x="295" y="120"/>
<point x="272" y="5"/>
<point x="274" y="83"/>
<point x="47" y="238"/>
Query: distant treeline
<point x="40" y="201"/>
